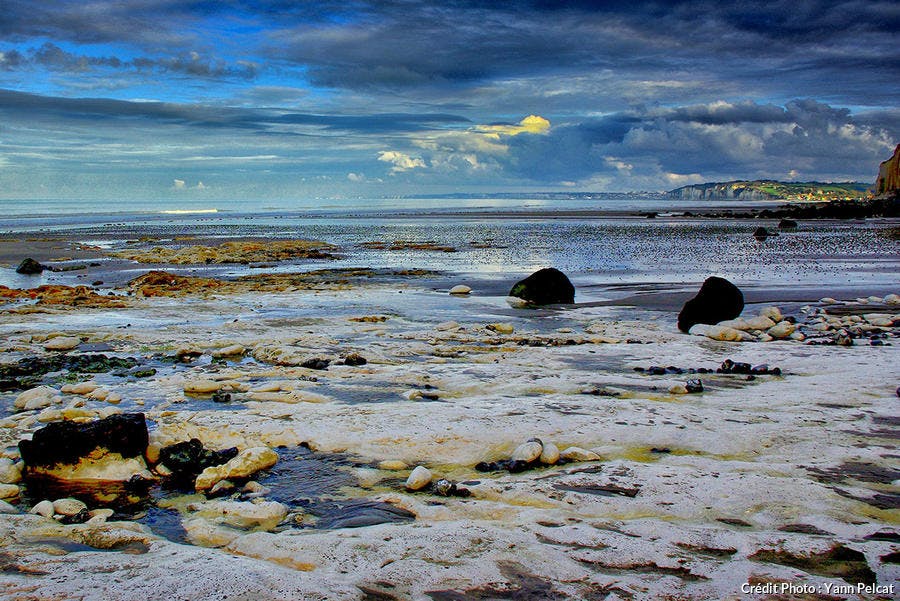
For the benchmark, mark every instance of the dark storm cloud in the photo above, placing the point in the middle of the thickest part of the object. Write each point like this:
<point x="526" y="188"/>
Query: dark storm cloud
<point x="410" y="45"/>
<point x="54" y="58"/>
<point x="104" y="111"/>
<point x="153" y="22"/>
<point x="839" y="50"/>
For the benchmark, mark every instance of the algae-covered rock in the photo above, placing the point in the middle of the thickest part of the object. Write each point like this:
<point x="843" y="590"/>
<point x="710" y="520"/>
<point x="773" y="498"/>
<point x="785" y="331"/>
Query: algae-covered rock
<point x="30" y="267"/>
<point x="61" y="449"/>
<point x="547" y="286"/>
<point x="187" y="459"/>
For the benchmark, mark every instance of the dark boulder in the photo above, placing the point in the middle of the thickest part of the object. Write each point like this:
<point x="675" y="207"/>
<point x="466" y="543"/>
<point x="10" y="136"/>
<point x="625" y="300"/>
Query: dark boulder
<point x="762" y="233"/>
<point x="30" y="267"/>
<point x="545" y="287"/>
<point x="187" y="459"/>
<point x="717" y="300"/>
<point x="68" y="442"/>
<point x="787" y="224"/>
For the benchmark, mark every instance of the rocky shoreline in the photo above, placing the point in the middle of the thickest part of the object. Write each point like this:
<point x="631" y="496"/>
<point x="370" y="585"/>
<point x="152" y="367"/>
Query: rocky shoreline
<point x="300" y="444"/>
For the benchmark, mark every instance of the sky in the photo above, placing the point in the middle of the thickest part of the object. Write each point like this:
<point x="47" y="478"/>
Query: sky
<point x="278" y="99"/>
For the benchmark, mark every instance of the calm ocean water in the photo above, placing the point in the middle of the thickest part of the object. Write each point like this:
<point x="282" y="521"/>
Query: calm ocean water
<point x="502" y="236"/>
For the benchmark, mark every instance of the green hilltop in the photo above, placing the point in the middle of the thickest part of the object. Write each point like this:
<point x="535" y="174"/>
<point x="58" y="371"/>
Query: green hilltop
<point x="773" y="190"/>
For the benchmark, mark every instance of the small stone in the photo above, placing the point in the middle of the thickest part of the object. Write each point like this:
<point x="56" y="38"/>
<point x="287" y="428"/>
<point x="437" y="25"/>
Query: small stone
<point x="460" y="289"/>
<point x="773" y="313"/>
<point x="243" y="514"/>
<point x="68" y="507"/>
<point x="443" y="487"/>
<point x="8" y="491"/>
<point x="881" y="320"/>
<point x="419" y="478"/>
<point x="781" y="330"/>
<point x="80" y="388"/>
<point x="694" y="386"/>
<point x="843" y="338"/>
<point x="254" y="487"/>
<point x="229" y="351"/>
<point x="354" y="359"/>
<point x="99" y="394"/>
<point x="44" y="508"/>
<point x="678" y="389"/>
<point x="245" y="464"/>
<point x="222" y="487"/>
<point x="104" y="512"/>
<point x="799" y="336"/>
<point x="579" y="454"/>
<point x="317" y="363"/>
<point x="549" y="454"/>
<point x="10" y="471"/>
<point x="392" y="465"/>
<point x="7" y="509"/>
<point x="202" y="386"/>
<point x="220" y="397"/>
<point x="892" y="299"/>
<point x="62" y="343"/>
<point x="163" y="470"/>
<point x="36" y="398"/>
<point x="152" y="452"/>
<point x="828" y="301"/>
<point x="875" y="300"/>
<point x="528" y="452"/>
<point x="501" y="328"/>
<point x="516" y="303"/>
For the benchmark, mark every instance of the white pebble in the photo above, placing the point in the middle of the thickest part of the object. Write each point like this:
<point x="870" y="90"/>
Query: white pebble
<point x="528" y="451"/>
<point x="419" y="478"/>
<point x="44" y="508"/>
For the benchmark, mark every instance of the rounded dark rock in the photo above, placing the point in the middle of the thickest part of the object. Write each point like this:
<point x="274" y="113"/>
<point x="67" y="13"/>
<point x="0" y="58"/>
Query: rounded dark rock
<point x="787" y="224"/>
<point x="717" y="300"/>
<point x="547" y="286"/>
<point x="30" y="267"/>
<point x="694" y="386"/>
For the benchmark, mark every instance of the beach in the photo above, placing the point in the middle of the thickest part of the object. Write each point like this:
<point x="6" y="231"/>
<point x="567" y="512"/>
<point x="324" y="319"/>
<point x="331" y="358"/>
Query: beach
<point x="770" y="478"/>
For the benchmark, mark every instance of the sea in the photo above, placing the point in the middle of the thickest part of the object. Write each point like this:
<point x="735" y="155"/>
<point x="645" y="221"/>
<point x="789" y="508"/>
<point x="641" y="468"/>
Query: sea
<point x="601" y="243"/>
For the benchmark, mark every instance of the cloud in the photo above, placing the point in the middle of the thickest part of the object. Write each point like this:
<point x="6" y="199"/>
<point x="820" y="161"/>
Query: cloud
<point x="401" y="162"/>
<point x="532" y="124"/>
<point x="717" y="140"/>
<point x="193" y="63"/>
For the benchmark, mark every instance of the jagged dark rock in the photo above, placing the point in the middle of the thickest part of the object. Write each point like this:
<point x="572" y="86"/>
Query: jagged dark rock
<point x="68" y="442"/>
<point x="547" y="286"/>
<point x="187" y="459"/>
<point x="30" y="267"/>
<point x="717" y="300"/>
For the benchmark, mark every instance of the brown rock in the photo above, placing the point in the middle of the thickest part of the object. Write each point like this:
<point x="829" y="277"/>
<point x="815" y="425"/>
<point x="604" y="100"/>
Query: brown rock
<point x="889" y="175"/>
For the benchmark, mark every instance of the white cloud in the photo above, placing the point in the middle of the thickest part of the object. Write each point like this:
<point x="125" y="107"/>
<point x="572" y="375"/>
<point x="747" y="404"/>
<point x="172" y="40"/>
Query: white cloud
<point x="401" y="162"/>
